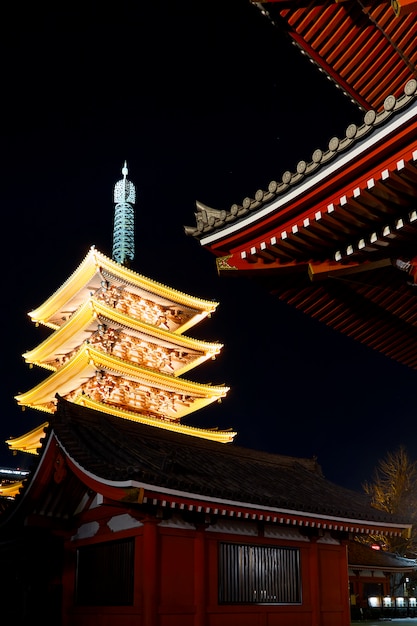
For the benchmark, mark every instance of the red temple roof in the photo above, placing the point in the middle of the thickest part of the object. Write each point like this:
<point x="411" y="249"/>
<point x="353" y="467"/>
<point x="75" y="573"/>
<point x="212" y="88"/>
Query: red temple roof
<point x="337" y="238"/>
<point x="368" y="49"/>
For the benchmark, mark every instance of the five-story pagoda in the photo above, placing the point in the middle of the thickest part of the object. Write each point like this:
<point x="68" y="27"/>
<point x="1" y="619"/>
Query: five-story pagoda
<point x="117" y="342"/>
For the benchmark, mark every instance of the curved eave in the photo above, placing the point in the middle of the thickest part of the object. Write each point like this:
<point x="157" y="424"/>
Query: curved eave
<point x="12" y="490"/>
<point x="305" y="189"/>
<point x="96" y="263"/>
<point x="29" y="442"/>
<point x="222" y="436"/>
<point x="74" y="332"/>
<point x="88" y="361"/>
<point x="228" y="508"/>
<point x="384" y="568"/>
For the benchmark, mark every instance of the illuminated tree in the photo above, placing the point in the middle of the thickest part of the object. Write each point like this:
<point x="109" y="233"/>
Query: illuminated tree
<point x="394" y="489"/>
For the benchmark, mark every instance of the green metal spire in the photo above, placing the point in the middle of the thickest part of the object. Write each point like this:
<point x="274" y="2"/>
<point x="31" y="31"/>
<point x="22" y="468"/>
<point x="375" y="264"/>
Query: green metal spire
<point x="124" y="220"/>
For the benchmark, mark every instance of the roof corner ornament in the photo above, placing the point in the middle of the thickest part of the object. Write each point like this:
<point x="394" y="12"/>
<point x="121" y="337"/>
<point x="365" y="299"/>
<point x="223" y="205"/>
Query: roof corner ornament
<point x="124" y="220"/>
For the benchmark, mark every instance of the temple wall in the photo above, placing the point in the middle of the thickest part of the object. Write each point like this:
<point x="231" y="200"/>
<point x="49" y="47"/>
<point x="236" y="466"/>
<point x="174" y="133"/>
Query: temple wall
<point x="176" y="578"/>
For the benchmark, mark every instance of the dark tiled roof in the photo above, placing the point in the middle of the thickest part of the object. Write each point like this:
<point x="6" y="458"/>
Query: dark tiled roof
<point x="362" y="556"/>
<point x="115" y="449"/>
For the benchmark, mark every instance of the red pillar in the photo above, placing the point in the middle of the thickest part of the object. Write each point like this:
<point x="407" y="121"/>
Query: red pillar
<point x="150" y="573"/>
<point x="314" y="582"/>
<point x="200" y="578"/>
<point x="344" y="581"/>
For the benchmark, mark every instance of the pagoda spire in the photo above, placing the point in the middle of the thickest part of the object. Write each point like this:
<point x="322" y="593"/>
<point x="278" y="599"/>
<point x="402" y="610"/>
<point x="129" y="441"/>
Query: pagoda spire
<point x="124" y="220"/>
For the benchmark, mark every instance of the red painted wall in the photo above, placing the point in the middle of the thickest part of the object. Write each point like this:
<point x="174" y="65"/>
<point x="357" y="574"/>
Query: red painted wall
<point x="176" y="583"/>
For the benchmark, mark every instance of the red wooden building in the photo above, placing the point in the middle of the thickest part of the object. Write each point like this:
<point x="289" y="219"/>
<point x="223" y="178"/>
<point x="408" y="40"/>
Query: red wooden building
<point x="123" y="523"/>
<point x="380" y="583"/>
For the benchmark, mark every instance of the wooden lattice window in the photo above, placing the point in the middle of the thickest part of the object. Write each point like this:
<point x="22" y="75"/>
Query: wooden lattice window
<point x="250" y="574"/>
<point x="104" y="574"/>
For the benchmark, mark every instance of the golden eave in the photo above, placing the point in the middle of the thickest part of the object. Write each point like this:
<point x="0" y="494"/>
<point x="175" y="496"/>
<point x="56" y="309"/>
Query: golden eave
<point x="222" y="436"/>
<point x="29" y="442"/>
<point x="11" y="490"/>
<point x="87" y="361"/>
<point x="97" y="264"/>
<point x="64" y="339"/>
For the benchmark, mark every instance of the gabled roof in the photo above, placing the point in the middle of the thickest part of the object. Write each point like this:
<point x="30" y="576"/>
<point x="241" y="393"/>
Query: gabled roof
<point x="95" y="269"/>
<point x="367" y="49"/>
<point x="133" y="463"/>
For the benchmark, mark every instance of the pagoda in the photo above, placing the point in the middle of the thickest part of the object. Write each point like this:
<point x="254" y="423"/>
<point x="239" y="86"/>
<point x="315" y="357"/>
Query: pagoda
<point x="117" y="343"/>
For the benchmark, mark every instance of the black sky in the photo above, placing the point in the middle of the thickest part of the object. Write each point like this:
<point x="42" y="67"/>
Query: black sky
<point x="206" y="101"/>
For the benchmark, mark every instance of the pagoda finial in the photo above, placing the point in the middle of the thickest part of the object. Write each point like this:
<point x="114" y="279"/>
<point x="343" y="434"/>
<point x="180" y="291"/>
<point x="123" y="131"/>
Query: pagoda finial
<point x="124" y="220"/>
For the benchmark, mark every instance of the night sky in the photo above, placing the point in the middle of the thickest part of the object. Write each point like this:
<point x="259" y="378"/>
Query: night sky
<point x="205" y="101"/>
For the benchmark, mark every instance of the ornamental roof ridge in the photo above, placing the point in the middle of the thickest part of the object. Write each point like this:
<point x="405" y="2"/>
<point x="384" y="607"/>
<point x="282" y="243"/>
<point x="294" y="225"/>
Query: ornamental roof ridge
<point x="209" y="219"/>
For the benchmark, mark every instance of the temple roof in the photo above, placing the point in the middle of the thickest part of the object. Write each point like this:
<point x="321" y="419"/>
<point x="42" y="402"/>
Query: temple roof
<point x="332" y="238"/>
<point x="362" y="556"/>
<point x="334" y="181"/>
<point x="367" y="49"/>
<point x="117" y="456"/>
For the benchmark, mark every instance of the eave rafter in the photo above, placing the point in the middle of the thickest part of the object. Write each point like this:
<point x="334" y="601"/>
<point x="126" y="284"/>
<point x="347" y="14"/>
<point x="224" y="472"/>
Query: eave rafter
<point x="247" y="512"/>
<point x="367" y="219"/>
<point x="363" y="48"/>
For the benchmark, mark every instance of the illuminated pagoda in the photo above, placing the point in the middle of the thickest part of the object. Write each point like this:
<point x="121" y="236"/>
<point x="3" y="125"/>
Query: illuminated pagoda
<point x="336" y="237"/>
<point x="117" y="343"/>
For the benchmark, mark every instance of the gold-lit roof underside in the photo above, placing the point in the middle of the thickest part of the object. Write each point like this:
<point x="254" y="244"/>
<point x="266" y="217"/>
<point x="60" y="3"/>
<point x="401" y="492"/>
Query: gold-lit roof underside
<point x="95" y="268"/>
<point x="87" y="362"/>
<point x="84" y="322"/>
<point x="29" y="442"/>
<point x="222" y="436"/>
<point x="11" y="490"/>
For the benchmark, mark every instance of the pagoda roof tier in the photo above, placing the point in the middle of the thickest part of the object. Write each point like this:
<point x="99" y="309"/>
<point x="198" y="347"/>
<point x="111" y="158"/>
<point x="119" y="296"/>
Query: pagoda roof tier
<point x="174" y="397"/>
<point x="84" y="322"/>
<point x="332" y="238"/>
<point x="31" y="442"/>
<point x="97" y="270"/>
<point x="11" y="490"/>
<point x="368" y="49"/>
